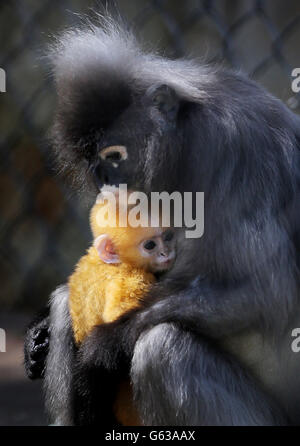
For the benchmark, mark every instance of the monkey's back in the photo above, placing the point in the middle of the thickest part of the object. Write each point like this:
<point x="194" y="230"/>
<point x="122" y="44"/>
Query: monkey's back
<point x="100" y="292"/>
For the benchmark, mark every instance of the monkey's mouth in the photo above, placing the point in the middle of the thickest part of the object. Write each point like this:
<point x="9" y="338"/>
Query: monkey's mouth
<point x="105" y="180"/>
<point x="167" y="264"/>
<point x="101" y="178"/>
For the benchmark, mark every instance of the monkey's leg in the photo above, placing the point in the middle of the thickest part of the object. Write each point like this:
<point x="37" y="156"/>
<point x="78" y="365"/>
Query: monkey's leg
<point x="181" y="379"/>
<point x="94" y="391"/>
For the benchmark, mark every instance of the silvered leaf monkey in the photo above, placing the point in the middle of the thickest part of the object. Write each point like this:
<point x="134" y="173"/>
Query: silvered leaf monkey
<point x="211" y="345"/>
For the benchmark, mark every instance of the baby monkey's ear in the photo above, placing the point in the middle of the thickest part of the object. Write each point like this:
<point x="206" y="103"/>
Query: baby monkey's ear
<point x="106" y="249"/>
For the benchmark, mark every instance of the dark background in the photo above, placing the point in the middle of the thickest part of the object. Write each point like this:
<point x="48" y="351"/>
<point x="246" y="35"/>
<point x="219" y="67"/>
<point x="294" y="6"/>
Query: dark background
<point x="43" y="225"/>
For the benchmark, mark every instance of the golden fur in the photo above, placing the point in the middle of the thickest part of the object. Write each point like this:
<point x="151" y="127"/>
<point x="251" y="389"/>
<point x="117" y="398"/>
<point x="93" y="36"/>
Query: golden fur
<point x="101" y="292"/>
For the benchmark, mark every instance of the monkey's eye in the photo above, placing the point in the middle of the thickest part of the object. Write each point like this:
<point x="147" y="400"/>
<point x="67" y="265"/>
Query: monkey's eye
<point x="149" y="245"/>
<point x="168" y="236"/>
<point x="114" y="154"/>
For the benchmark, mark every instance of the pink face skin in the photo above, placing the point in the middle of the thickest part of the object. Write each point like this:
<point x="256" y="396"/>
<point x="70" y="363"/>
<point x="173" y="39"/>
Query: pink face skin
<point x="160" y="251"/>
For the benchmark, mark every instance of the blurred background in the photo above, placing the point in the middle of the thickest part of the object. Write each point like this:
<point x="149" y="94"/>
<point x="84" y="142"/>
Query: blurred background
<point x="43" y="225"/>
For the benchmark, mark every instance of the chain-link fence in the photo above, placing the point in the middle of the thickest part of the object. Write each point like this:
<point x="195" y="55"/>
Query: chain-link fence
<point x="44" y="228"/>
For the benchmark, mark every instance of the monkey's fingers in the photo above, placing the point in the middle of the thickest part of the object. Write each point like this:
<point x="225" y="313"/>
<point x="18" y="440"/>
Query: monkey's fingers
<point x="35" y="369"/>
<point x="35" y="352"/>
<point x="40" y="351"/>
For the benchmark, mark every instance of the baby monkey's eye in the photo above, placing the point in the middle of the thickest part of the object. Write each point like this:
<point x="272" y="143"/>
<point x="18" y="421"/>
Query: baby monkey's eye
<point x="149" y="245"/>
<point x="168" y="236"/>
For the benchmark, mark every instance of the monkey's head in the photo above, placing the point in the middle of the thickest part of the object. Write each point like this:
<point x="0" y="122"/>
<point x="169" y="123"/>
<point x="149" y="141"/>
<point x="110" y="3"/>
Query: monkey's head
<point x="116" y="119"/>
<point x="128" y="149"/>
<point x="150" y="248"/>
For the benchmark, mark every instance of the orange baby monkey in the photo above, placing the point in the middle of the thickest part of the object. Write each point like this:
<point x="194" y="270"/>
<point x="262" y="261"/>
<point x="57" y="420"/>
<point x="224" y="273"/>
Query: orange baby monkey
<point x="113" y="277"/>
<point x="117" y="270"/>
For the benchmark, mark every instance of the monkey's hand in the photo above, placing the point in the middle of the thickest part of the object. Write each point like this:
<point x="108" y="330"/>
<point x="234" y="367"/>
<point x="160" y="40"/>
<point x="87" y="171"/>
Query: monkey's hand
<point x="36" y="346"/>
<point x="108" y="345"/>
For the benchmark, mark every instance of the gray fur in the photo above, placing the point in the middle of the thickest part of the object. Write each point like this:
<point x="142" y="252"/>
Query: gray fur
<point x="58" y="374"/>
<point x="84" y="52"/>
<point x="223" y="394"/>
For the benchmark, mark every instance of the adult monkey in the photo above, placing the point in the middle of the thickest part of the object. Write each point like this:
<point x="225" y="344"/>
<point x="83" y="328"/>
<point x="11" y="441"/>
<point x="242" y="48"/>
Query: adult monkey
<point x="213" y="344"/>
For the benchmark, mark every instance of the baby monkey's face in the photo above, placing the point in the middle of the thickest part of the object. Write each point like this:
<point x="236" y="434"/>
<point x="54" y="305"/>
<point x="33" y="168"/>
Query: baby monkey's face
<point x="159" y="251"/>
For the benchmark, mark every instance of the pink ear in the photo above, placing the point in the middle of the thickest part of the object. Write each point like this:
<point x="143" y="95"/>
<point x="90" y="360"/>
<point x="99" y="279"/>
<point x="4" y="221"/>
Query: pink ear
<point x="106" y="249"/>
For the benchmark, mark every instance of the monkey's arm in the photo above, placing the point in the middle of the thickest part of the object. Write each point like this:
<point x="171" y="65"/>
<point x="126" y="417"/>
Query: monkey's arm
<point x="212" y="311"/>
<point x="36" y="345"/>
<point x="217" y="311"/>
<point x="205" y="308"/>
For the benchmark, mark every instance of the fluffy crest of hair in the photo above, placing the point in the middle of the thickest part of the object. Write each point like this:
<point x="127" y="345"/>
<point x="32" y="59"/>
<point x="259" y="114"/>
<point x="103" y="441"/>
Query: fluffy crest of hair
<point x="108" y="47"/>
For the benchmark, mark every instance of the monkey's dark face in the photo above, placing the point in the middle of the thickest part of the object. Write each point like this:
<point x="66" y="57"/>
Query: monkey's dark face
<point x="129" y="151"/>
<point x="112" y="135"/>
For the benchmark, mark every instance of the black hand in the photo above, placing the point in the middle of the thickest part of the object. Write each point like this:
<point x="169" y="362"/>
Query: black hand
<point x="110" y="345"/>
<point x="36" y="346"/>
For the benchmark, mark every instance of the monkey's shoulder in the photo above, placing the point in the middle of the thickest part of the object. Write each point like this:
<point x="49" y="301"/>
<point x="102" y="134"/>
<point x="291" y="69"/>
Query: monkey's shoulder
<point x="90" y="269"/>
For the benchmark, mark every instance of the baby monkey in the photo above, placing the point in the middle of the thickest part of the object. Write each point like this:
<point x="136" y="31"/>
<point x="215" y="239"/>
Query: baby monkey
<point x="117" y="270"/>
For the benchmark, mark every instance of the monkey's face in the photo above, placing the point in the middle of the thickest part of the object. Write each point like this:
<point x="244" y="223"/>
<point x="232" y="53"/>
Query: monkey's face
<point x="155" y="253"/>
<point x="132" y="150"/>
<point x="159" y="252"/>
<point x="107" y="132"/>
